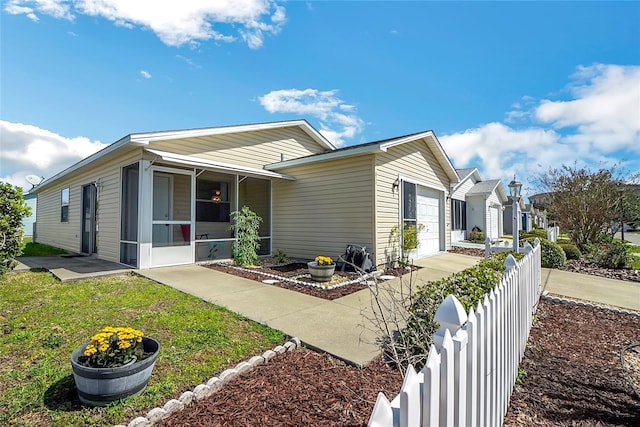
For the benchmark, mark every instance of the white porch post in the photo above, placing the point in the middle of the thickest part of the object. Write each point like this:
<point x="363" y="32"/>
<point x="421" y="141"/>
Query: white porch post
<point x="145" y="207"/>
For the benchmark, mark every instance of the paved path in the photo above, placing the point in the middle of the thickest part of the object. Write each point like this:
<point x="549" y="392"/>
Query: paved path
<point x="68" y="268"/>
<point x="596" y="289"/>
<point x="338" y="327"/>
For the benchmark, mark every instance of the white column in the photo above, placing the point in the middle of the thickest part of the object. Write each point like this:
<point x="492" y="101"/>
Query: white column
<point x="145" y="206"/>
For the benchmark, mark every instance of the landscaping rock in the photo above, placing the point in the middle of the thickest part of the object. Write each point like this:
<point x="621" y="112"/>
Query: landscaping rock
<point x="157" y="414"/>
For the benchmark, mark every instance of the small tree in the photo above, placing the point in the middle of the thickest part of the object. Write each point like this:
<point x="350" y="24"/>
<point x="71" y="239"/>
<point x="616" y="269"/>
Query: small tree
<point x="586" y="203"/>
<point x="13" y="209"/>
<point x="246" y="224"/>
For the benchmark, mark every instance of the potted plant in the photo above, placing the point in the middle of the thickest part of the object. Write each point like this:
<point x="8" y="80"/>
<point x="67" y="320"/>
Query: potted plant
<point x="322" y="268"/>
<point x="115" y="364"/>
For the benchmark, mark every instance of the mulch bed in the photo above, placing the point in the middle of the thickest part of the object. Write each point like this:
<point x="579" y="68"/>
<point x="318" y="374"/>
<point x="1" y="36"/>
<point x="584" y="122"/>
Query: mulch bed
<point x="297" y="269"/>
<point x="585" y="267"/>
<point x="574" y="376"/>
<point x="467" y="251"/>
<point x="299" y="388"/>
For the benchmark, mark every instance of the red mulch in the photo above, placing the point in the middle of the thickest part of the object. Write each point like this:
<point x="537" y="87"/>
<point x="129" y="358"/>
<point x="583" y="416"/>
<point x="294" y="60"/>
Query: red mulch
<point x="585" y="267"/>
<point x="328" y="294"/>
<point x="467" y="251"/>
<point x="574" y="376"/>
<point x="298" y="388"/>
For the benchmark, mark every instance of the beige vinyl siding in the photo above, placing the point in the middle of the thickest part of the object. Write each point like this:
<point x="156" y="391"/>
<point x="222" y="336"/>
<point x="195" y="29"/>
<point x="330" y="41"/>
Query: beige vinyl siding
<point x="461" y="191"/>
<point x="328" y="206"/>
<point x="254" y="193"/>
<point x="68" y="235"/>
<point x="411" y="160"/>
<point x="251" y="149"/>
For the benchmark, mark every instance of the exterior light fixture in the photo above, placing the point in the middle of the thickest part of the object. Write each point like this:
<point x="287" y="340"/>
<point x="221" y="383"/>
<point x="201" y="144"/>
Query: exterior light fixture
<point x="515" y="187"/>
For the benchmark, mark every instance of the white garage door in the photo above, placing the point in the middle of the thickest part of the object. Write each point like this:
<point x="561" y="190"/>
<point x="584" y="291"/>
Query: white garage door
<point x="494" y="223"/>
<point x="428" y="214"/>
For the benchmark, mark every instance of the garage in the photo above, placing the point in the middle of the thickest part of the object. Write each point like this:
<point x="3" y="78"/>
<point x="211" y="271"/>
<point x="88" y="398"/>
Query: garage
<point x="428" y="215"/>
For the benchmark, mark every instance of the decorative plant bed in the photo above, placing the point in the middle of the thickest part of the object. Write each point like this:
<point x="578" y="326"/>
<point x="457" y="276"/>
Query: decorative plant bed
<point x="295" y="276"/>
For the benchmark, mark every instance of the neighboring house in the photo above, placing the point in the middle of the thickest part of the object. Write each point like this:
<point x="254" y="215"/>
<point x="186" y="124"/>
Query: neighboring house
<point x="476" y="203"/>
<point x="508" y="216"/>
<point x="533" y="217"/>
<point x="28" y="223"/>
<point x="165" y="198"/>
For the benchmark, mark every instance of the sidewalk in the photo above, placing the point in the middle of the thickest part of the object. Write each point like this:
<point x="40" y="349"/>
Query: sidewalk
<point x="336" y="327"/>
<point x="595" y="289"/>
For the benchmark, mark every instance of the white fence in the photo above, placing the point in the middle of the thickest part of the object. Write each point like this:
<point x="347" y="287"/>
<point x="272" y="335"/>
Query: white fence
<point x="473" y="364"/>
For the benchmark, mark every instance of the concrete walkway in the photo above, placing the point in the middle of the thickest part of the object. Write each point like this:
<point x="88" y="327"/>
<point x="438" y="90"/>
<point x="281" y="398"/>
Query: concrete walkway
<point x="68" y="268"/>
<point x="595" y="289"/>
<point x="339" y="327"/>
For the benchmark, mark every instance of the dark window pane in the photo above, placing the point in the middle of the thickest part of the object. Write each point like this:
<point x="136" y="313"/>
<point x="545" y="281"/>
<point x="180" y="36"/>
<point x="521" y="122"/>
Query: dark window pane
<point x="409" y="200"/>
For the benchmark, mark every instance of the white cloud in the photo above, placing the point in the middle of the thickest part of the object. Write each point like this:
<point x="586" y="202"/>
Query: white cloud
<point x="605" y="111"/>
<point x="338" y="120"/>
<point x="601" y="123"/>
<point x="174" y="22"/>
<point x="145" y="74"/>
<point x="28" y="149"/>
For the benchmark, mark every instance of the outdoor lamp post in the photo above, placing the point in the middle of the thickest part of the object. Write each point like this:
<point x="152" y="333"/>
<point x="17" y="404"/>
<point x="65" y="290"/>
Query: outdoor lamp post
<point x="514" y="190"/>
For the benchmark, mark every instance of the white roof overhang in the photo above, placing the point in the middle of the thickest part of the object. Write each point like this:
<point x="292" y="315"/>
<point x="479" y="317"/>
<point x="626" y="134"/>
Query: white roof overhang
<point x="198" y="162"/>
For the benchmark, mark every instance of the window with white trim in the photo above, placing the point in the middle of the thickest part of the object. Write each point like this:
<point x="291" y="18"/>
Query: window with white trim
<point x="64" y="205"/>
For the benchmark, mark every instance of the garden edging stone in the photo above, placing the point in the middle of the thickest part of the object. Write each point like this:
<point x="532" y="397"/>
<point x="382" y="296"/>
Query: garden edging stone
<point x="214" y="384"/>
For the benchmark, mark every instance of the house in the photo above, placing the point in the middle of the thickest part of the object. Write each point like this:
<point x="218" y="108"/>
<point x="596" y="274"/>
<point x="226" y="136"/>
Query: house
<point x="28" y="222"/>
<point x="522" y="219"/>
<point x="165" y="198"/>
<point x="476" y="204"/>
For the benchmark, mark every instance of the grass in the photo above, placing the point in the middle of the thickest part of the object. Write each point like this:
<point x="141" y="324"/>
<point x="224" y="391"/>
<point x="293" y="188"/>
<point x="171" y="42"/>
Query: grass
<point x="38" y="249"/>
<point x="44" y="320"/>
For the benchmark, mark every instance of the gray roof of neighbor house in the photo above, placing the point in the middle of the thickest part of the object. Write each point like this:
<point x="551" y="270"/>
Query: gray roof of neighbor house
<point x="463" y="173"/>
<point x="484" y="187"/>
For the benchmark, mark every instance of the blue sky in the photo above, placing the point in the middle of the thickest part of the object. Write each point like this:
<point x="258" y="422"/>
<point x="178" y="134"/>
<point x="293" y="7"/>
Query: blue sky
<point x="506" y="86"/>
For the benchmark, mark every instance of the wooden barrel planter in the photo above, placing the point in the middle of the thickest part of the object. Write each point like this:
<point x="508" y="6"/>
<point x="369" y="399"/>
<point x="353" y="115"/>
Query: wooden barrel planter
<point x="321" y="273"/>
<point x="101" y="386"/>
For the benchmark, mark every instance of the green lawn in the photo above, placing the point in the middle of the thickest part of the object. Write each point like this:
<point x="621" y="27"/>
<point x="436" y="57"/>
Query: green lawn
<point x="38" y="249"/>
<point x="44" y="320"/>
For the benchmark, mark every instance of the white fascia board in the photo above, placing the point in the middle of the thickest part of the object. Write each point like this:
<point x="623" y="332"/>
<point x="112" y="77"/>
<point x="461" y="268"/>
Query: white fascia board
<point x="211" y="164"/>
<point x="192" y="133"/>
<point x="324" y="156"/>
<point x="95" y="156"/>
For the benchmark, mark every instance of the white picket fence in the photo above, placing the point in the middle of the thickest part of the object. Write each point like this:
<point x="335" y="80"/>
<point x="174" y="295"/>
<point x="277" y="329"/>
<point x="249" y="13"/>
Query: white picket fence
<point x="473" y="363"/>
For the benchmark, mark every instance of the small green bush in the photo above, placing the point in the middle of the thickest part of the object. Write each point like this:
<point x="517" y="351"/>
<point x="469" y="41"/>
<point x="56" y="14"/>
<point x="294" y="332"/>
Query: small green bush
<point x="540" y="234"/>
<point x="571" y="251"/>
<point x="615" y="255"/>
<point x="469" y="286"/>
<point x="245" y="224"/>
<point x="552" y="254"/>
<point x="477" y="237"/>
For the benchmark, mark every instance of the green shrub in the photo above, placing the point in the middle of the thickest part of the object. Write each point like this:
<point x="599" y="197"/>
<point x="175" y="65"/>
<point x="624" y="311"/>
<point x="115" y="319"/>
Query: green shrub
<point x="552" y="254"/>
<point x="614" y="255"/>
<point x="13" y="209"/>
<point x="246" y="225"/>
<point x="539" y="233"/>
<point x="571" y="251"/>
<point x="477" y="237"/>
<point x="469" y="286"/>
